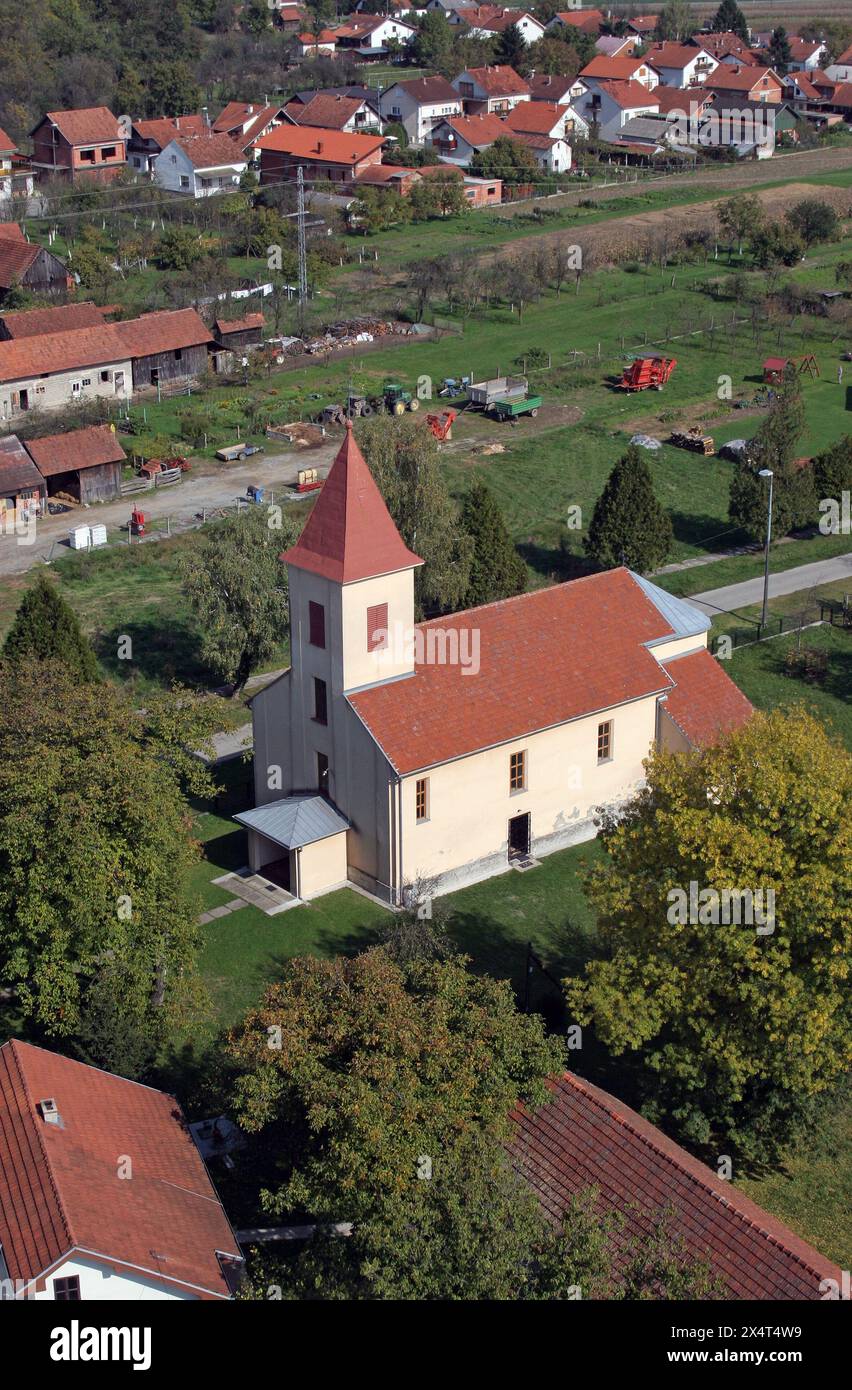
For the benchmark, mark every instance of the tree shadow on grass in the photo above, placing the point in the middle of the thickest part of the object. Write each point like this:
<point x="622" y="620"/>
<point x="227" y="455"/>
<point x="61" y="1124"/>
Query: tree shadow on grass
<point x="556" y="562"/>
<point x="708" y="532"/>
<point x="159" y="652"/>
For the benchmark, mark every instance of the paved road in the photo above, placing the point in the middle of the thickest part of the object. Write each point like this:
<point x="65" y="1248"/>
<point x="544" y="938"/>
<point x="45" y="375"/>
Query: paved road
<point x="791" y="581"/>
<point x="184" y="503"/>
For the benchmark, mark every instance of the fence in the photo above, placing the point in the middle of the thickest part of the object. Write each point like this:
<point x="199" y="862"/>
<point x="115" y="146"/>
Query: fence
<point x="817" y="612"/>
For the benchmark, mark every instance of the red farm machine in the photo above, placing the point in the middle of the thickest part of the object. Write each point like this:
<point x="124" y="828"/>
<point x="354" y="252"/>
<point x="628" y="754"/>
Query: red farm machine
<point x="648" y="372"/>
<point x="441" y="424"/>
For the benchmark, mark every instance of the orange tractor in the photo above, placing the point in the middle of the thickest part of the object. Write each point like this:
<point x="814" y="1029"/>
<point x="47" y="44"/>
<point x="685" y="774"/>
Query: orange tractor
<point x="647" y="372"/>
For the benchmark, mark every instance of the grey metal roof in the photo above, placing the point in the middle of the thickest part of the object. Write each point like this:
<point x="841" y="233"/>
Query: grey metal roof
<point x="295" y="821"/>
<point x="684" y="618"/>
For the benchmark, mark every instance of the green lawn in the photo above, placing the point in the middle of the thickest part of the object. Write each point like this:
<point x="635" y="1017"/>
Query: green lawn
<point x="760" y="673"/>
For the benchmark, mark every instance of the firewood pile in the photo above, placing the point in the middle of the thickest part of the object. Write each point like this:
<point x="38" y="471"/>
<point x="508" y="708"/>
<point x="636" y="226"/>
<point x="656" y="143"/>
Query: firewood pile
<point x="351" y="332"/>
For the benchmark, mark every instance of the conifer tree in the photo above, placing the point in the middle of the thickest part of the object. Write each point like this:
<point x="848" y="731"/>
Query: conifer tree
<point x="46" y="627"/>
<point x="775" y="446"/>
<point x="497" y="570"/>
<point x="729" y="19"/>
<point x="629" y="526"/>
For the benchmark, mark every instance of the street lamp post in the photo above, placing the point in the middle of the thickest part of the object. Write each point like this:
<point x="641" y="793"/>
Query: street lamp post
<point x="767" y="473"/>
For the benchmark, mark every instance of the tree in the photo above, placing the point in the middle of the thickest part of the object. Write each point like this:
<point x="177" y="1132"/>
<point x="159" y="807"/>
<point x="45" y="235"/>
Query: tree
<point x="237" y="586"/>
<point x="741" y="217"/>
<point x="46" y="627"/>
<point x="814" y="220"/>
<point x="774" y="446"/>
<point x="172" y="89"/>
<point x="387" y="1105"/>
<point x="553" y="56"/>
<point x="438" y="195"/>
<point x="780" y="54"/>
<point x="832" y="470"/>
<point x="403" y="459"/>
<point x="497" y="570"/>
<point x="675" y="21"/>
<point x="432" y="45"/>
<point x="511" y="47"/>
<point x="506" y="159"/>
<point x="178" y="248"/>
<point x="95" y="850"/>
<point x="729" y="18"/>
<point x="736" y="1024"/>
<point x="776" y="243"/>
<point x="628" y="526"/>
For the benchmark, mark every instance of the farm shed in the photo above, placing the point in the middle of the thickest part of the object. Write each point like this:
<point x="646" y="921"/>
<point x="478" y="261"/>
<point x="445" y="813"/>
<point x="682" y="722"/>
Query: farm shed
<point x="27" y="264"/>
<point x="84" y="463"/>
<point x="33" y="323"/>
<point x="167" y="345"/>
<point x="239" y="333"/>
<point x="22" y="488"/>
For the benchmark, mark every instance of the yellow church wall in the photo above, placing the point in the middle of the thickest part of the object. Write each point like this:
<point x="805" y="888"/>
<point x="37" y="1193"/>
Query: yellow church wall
<point x="321" y="866"/>
<point x="360" y="665"/>
<point x="664" y="651"/>
<point x="470" y="803"/>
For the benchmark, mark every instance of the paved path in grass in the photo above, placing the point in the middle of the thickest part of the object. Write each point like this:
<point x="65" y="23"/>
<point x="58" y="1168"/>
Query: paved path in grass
<point x="750" y="591"/>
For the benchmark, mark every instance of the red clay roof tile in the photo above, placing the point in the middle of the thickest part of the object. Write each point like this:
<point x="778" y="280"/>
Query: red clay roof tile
<point x="31" y="323"/>
<point x="705" y="704"/>
<point x="85" y="448"/>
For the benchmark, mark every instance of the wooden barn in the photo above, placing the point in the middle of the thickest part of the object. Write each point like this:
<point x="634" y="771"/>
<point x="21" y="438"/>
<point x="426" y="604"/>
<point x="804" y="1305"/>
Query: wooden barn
<point x="29" y="265"/>
<point x="84" y="463"/>
<point x="236" y="334"/>
<point x="22" y="488"/>
<point x="169" y="345"/>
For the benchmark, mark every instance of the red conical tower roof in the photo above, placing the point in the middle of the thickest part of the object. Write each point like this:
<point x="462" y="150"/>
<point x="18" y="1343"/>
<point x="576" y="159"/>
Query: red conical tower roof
<point x="350" y="534"/>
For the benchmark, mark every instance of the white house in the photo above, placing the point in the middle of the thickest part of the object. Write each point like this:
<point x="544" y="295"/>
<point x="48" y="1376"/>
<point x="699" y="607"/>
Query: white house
<point x="563" y="90"/>
<point x="681" y="65"/>
<point x="602" y="69"/>
<point x="610" y="105"/>
<point x="553" y="155"/>
<point x="458" y="138"/>
<point x="419" y="105"/>
<point x="373" y="34"/>
<point x="200" y="166"/>
<point x="490" y="89"/>
<point x="488" y="21"/>
<point x="805" y="54"/>
<point x="841" y="70"/>
<point x="103" y="1193"/>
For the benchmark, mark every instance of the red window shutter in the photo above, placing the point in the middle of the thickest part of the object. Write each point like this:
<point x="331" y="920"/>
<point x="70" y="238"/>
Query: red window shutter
<point x="377" y="627"/>
<point x="316" y="622"/>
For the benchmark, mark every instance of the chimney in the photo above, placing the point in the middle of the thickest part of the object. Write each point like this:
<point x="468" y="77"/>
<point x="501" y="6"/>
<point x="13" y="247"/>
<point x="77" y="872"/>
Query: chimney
<point x="50" y="1113"/>
<point x="319" y="146"/>
<point x="249" y="110"/>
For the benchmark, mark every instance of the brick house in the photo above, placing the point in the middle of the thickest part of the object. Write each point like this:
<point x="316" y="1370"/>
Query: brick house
<point x="327" y="155"/>
<point x="83" y="144"/>
<point x="736" y="81"/>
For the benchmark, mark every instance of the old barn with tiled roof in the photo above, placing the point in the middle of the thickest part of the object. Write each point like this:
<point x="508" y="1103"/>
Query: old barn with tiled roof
<point x="460" y="747"/>
<point x="75" y="1222"/>
<point x="584" y="1138"/>
<point x="85" y="463"/>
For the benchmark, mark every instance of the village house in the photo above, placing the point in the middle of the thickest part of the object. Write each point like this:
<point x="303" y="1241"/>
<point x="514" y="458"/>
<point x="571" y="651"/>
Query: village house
<point x="589" y="21"/>
<point x="419" y="104"/>
<point x="841" y="69"/>
<point x="619" y="70"/>
<point x="54" y="370"/>
<point x="542" y="118"/>
<point x="488" y="21"/>
<point x="87" y="143"/>
<point x="800" y="90"/>
<point x="458" y="138"/>
<point x="31" y="323"/>
<point x="28" y="265"/>
<point x="399" y="178"/>
<point x="724" y="47"/>
<point x="681" y="65"/>
<point x="562" y="90"/>
<point x="805" y="54"/>
<point x="290" y="18"/>
<point x="72" y="1226"/>
<point x="22" y="488"/>
<point x="393" y="754"/>
<point x="246" y="122"/>
<point x="480" y="193"/>
<point x="200" y="166"/>
<point x="736" y="82"/>
<point x="329" y="155"/>
<point x="612" y="47"/>
<point x="372" y="35"/>
<point x="312" y="45"/>
<point x="334" y="111"/>
<point x="16" y="175"/>
<point x="166" y="345"/>
<point x="148" y="139"/>
<point x="584" y="1138"/>
<point x="644" y="26"/>
<point x="610" y="105"/>
<point x="85" y="464"/>
<point x="484" y="91"/>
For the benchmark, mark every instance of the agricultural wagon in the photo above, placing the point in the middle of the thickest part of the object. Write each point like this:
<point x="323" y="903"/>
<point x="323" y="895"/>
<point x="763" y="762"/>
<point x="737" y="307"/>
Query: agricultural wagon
<point x="645" y="373"/>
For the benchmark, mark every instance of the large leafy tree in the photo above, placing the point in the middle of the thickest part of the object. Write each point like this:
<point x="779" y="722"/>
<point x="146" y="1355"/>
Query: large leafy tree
<point x="741" y="217"/>
<point x="735" y="1030"/>
<point x="403" y="458"/>
<point x="814" y="220"/>
<point x="237" y="586"/>
<point x="506" y="159"/>
<point x="497" y="570"/>
<point x="833" y="470"/>
<point x="729" y="18"/>
<point x="385" y="1093"/>
<point x="95" y="846"/>
<point x="46" y="627"/>
<point x="774" y="446"/>
<point x="675" y="21"/>
<point x="629" y="526"/>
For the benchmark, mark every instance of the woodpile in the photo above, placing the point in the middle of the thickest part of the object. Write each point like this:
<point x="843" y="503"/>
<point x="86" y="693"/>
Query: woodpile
<point x="693" y="439"/>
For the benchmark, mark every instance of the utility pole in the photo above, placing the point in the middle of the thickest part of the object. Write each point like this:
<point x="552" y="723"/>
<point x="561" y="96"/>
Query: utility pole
<point x="766" y="473"/>
<point x="303" y="255"/>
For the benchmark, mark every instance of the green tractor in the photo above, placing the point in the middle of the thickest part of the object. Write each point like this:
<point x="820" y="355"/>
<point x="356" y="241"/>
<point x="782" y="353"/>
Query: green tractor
<point x="396" y="400"/>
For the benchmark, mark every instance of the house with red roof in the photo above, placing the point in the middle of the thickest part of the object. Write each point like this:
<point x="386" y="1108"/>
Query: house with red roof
<point x="328" y="155"/>
<point x="841" y="69"/>
<point x="589" y="21"/>
<point x="16" y="175"/>
<point x="608" y="106"/>
<point x="393" y="753"/>
<point x="200" y="166"/>
<point x="583" y="1138"/>
<point x="495" y="88"/>
<point x="335" y="111"/>
<point x="29" y="265"/>
<point x="602" y="69"/>
<point x="738" y="81"/>
<point x="419" y="104"/>
<point x="373" y="35"/>
<point x="149" y="138"/>
<point x="103" y="1193"/>
<point x="84" y="463"/>
<point x="246" y="121"/>
<point x="681" y="64"/>
<point x="488" y="21"/>
<point x="88" y="143"/>
<point x="311" y="45"/>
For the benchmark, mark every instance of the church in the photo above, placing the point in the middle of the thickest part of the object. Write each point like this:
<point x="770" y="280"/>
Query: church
<point x="393" y="755"/>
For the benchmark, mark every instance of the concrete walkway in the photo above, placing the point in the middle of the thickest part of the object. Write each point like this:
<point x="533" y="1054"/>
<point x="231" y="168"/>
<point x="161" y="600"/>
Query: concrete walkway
<point x="736" y="596"/>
